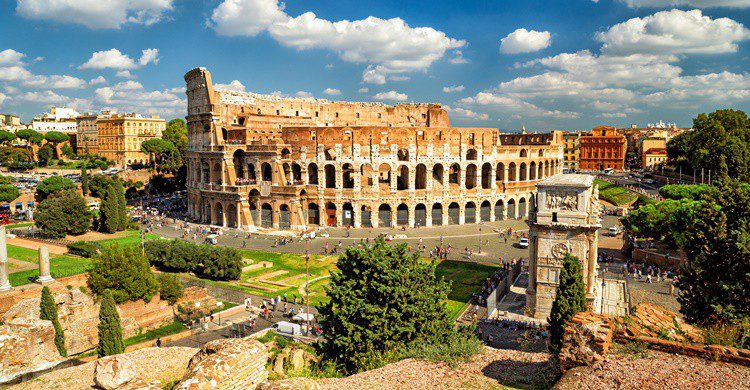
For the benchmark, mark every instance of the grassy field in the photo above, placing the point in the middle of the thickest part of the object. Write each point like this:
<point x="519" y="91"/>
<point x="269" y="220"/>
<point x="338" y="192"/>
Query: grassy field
<point x="173" y="328"/>
<point x="23" y="254"/>
<point x="613" y="193"/>
<point x="127" y="238"/>
<point x="61" y="266"/>
<point x="466" y="279"/>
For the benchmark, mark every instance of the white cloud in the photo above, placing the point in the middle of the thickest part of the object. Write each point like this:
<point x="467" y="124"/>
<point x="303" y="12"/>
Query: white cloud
<point x="462" y="113"/>
<point x="132" y="96"/>
<point x="674" y="32"/>
<point x="525" y="41"/>
<point x="330" y="66"/>
<point x="515" y="107"/>
<point x="390" y="44"/>
<point x="392" y="96"/>
<point x="55" y="81"/>
<point x="14" y="73"/>
<point x="235" y="85"/>
<point x="332" y="91"/>
<point x="10" y="57"/>
<point x="398" y="78"/>
<point x="454" y="88"/>
<point x="98" y="80"/>
<point x="458" y="58"/>
<point x="689" y="3"/>
<point x="125" y="74"/>
<point x="303" y="94"/>
<point x="374" y="75"/>
<point x="47" y="97"/>
<point x="363" y="90"/>
<point x="95" y="14"/>
<point x="115" y="59"/>
<point x="3" y="97"/>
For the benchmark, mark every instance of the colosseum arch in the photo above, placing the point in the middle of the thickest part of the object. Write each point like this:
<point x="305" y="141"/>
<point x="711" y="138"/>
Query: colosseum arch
<point x="296" y="174"/>
<point x="285" y="154"/>
<point x="238" y="158"/>
<point x="365" y="175"/>
<point x="366" y="216"/>
<point x="331" y="214"/>
<point x="486" y="175"/>
<point x="500" y="173"/>
<point x="524" y="153"/>
<point x="207" y="216"/>
<point x="285" y="217"/>
<point x="499" y="210"/>
<point x="454" y="175"/>
<point x="348" y="176"/>
<point x="540" y="171"/>
<point x="470" y="212"/>
<point x="402" y="181"/>
<point x="522" y="207"/>
<point x="522" y="172"/>
<point x="471" y="154"/>
<point x="330" y="174"/>
<point x="454" y="212"/>
<point x="313" y="214"/>
<point x="512" y="172"/>
<point x="384" y="215"/>
<point x="420" y="177"/>
<point x="287" y="173"/>
<point x="437" y="176"/>
<point x="312" y="174"/>
<point x="347" y="215"/>
<point x="546" y="169"/>
<point x="266" y="215"/>
<point x="512" y="209"/>
<point x="471" y="176"/>
<point x="216" y="173"/>
<point x="266" y="173"/>
<point x="402" y="155"/>
<point x="420" y="215"/>
<point x="437" y="214"/>
<point x="254" y="213"/>
<point x="532" y="171"/>
<point x="251" y="172"/>
<point x="231" y="216"/>
<point x="485" y="211"/>
<point x="402" y="215"/>
<point x="384" y="176"/>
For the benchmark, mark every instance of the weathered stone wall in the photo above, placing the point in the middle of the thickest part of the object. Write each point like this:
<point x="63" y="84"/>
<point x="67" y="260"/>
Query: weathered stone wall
<point x="587" y="339"/>
<point x="227" y="364"/>
<point x="26" y="345"/>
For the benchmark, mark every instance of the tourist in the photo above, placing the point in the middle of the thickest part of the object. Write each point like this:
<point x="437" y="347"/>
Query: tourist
<point x="158" y="342"/>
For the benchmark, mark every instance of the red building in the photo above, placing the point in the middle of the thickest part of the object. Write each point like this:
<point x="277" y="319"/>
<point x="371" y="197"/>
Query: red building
<point x="602" y="148"/>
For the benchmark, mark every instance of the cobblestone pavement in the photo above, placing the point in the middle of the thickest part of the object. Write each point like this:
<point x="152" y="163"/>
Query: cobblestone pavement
<point x="656" y="292"/>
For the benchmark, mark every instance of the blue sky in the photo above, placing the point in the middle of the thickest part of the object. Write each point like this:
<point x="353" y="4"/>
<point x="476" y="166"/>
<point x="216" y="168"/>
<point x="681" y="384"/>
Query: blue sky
<point x="547" y="64"/>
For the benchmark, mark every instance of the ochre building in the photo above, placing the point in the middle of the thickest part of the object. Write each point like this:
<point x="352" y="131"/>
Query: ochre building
<point x="602" y="148"/>
<point x="120" y="137"/>
<point x="295" y="163"/>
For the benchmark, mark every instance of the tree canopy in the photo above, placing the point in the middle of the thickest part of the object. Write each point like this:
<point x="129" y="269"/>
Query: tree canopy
<point x="110" y="330"/>
<point x="6" y="137"/>
<point x="53" y="185"/>
<point x="176" y="133"/>
<point x="48" y="311"/>
<point x="31" y="136"/>
<point x="8" y="193"/>
<point x="569" y="300"/>
<point x="125" y="271"/>
<point x="63" y="213"/>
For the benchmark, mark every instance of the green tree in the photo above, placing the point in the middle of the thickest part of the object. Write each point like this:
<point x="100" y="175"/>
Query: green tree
<point x="382" y="300"/>
<point x="56" y="138"/>
<point x="32" y="137"/>
<point x="63" y="213"/>
<point x="53" y="185"/>
<point x="98" y="185"/>
<point x="6" y="137"/>
<point x="67" y="151"/>
<point x="122" y="210"/>
<point x="48" y="311"/>
<point x="84" y="180"/>
<point x="176" y="133"/>
<point x="125" y="271"/>
<point x="170" y="288"/>
<point x="45" y="155"/>
<point x="569" y="300"/>
<point x="161" y="152"/>
<point x="110" y="330"/>
<point x="8" y="193"/>
<point x="112" y="212"/>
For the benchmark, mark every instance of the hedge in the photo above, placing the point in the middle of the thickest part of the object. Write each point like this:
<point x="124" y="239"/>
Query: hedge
<point x="213" y="262"/>
<point x="84" y="248"/>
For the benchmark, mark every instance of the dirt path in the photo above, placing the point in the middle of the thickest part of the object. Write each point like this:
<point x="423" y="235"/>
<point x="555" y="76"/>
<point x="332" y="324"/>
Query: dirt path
<point x="23" y="243"/>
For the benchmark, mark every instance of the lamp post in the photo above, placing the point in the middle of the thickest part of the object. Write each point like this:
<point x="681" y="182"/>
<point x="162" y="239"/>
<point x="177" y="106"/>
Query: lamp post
<point x="480" y="240"/>
<point x="218" y="305"/>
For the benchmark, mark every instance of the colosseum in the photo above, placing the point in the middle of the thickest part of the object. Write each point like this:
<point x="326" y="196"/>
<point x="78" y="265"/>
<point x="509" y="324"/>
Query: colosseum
<point x="262" y="161"/>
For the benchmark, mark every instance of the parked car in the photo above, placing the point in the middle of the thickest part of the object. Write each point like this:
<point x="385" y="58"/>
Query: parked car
<point x="524" y="243"/>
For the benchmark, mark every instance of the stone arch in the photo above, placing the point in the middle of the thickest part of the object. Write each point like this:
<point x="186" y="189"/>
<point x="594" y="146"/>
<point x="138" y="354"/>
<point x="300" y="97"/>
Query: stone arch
<point x="454" y="175"/>
<point x="437" y="176"/>
<point x="540" y="171"/>
<point x="532" y="171"/>
<point x="251" y="173"/>
<point x="218" y="218"/>
<point x="486" y="175"/>
<point x="470" y="212"/>
<point x="366" y="216"/>
<point x="522" y="207"/>
<point x="384" y="174"/>
<point x="287" y="173"/>
<point x="402" y="215"/>
<point x="365" y="175"/>
<point x="266" y="215"/>
<point x="500" y="172"/>
<point x="522" y="173"/>
<point x="313" y="214"/>
<point x="546" y="169"/>
<point x="512" y="172"/>
<point x="231" y="215"/>
<point x="238" y="158"/>
<point x="312" y="174"/>
<point x="348" y="176"/>
<point x="285" y="217"/>
<point x="216" y="173"/>
<point x="207" y="213"/>
<point x="454" y="212"/>
<point x="206" y="172"/>
<point x="384" y="215"/>
<point x="402" y="154"/>
<point x="254" y="213"/>
<point x="296" y="174"/>
<point x="512" y="209"/>
<point x="471" y="176"/>
<point x="402" y="180"/>
<point x="485" y="211"/>
<point x="420" y="215"/>
<point x="347" y="215"/>
<point x="285" y="154"/>
<point x="420" y="177"/>
<point x="330" y="174"/>
<point x="437" y="214"/>
<point x="524" y="153"/>
<point x="499" y="210"/>
<point x="471" y="154"/>
<point x="330" y="155"/>
<point x="331" y="214"/>
<point x="266" y="172"/>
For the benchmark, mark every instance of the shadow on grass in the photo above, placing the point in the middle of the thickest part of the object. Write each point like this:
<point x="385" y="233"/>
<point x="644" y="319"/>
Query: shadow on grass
<point x="522" y="374"/>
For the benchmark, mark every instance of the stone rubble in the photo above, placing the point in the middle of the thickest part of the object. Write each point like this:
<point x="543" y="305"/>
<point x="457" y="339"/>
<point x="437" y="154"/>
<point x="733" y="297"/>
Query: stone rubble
<point x="586" y="340"/>
<point x="113" y="372"/>
<point x="227" y="364"/>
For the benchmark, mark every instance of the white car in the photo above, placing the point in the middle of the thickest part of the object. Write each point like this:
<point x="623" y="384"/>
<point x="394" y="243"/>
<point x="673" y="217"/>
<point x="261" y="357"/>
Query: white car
<point x="524" y="243"/>
<point x="613" y="231"/>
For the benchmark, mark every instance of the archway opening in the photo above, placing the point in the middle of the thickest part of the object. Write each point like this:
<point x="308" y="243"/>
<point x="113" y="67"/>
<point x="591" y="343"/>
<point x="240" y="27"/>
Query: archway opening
<point x="313" y="214"/>
<point x="312" y="174"/>
<point x="471" y="176"/>
<point x="347" y="217"/>
<point x="420" y="215"/>
<point x="499" y="210"/>
<point x="266" y="215"/>
<point x="402" y="215"/>
<point x="512" y="209"/>
<point x="384" y="215"/>
<point x="266" y="172"/>
<point x="285" y="217"/>
<point x="437" y="176"/>
<point x="485" y="211"/>
<point x="402" y="181"/>
<point x="420" y="180"/>
<point x="454" y="211"/>
<point x="330" y="214"/>
<point x="470" y="212"/>
<point x="437" y="214"/>
<point x="330" y="172"/>
<point x="348" y="176"/>
<point x="366" y="215"/>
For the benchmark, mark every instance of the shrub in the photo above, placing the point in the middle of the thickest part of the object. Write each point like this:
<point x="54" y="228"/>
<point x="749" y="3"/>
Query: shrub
<point x="86" y="249"/>
<point x="125" y="271"/>
<point x="53" y="185"/>
<point x="170" y="288"/>
<point x="220" y="263"/>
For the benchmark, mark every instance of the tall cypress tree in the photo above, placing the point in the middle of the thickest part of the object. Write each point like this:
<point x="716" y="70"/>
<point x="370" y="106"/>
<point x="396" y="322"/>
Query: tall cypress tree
<point x="84" y="180"/>
<point x="570" y="300"/>
<point x="48" y="311"/>
<point x="110" y="330"/>
<point x="122" y="211"/>
<point x="109" y="215"/>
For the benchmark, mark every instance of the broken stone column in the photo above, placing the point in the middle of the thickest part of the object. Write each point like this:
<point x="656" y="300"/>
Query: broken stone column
<point x="4" y="282"/>
<point x="44" y="269"/>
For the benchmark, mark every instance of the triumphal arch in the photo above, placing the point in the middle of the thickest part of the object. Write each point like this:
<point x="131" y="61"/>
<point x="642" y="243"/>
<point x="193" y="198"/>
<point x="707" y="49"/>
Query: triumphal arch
<point x="265" y="161"/>
<point x="565" y="219"/>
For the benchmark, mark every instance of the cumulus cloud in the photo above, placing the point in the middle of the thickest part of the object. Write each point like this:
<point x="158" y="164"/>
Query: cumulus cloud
<point x="454" y="88"/>
<point x="332" y="92"/>
<point x="95" y="14"/>
<point x="3" y="97"/>
<point x="392" y="96"/>
<point x="132" y="96"/>
<point x="458" y="58"/>
<point x="688" y="3"/>
<point x="55" y="81"/>
<point x="363" y="90"/>
<point x="98" y="80"/>
<point x="125" y="74"/>
<point x="10" y="57"/>
<point x="234" y="85"/>
<point x="374" y="75"/>
<point x="525" y="41"/>
<point x="515" y="107"/>
<point x="674" y="32"/>
<point x="462" y="113"/>
<point x="303" y="94"/>
<point x="46" y="97"/>
<point x="114" y="59"/>
<point x="388" y="45"/>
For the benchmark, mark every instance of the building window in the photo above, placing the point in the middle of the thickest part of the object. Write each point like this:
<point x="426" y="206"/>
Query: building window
<point x="337" y="115"/>
<point x="357" y="115"/>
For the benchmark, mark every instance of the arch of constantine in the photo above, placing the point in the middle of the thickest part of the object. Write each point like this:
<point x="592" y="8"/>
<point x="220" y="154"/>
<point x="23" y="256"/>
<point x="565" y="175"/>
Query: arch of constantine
<point x="291" y="163"/>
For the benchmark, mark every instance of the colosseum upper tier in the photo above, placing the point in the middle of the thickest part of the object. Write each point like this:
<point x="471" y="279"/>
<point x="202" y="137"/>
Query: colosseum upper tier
<point x="295" y="163"/>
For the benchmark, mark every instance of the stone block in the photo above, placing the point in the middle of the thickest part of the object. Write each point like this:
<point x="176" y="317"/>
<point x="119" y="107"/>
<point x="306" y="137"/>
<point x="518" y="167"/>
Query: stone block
<point x="113" y="372"/>
<point x="227" y="364"/>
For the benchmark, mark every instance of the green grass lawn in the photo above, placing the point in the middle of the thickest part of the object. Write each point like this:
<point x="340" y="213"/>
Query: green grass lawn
<point x="61" y="266"/>
<point x="23" y="254"/>
<point x="173" y="328"/>
<point x="613" y="193"/>
<point x="129" y="237"/>
<point x="466" y="279"/>
<point x="18" y="225"/>
<point x="294" y="264"/>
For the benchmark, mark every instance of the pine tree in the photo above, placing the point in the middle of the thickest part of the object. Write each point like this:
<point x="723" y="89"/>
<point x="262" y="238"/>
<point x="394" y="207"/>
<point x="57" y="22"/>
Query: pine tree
<point x="122" y="211"/>
<point x="570" y="300"/>
<point x="84" y="180"/>
<point x="110" y="331"/>
<point x="48" y="311"/>
<point x="109" y="215"/>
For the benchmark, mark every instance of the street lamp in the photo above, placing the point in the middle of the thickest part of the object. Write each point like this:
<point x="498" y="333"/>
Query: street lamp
<point x="218" y="305"/>
<point x="480" y="240"/>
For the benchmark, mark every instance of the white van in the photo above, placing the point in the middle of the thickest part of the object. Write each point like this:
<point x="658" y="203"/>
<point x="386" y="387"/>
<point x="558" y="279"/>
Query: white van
<point x="524" y="243"/>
